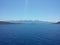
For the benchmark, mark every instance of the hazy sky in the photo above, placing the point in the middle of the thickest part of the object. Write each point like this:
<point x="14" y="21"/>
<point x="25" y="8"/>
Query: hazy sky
<point x="44" y="10"/>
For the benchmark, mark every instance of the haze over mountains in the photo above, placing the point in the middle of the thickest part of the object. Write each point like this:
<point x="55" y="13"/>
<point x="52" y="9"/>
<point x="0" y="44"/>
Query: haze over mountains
<point x="29" y="21"/>
<point x="25" y="21"/>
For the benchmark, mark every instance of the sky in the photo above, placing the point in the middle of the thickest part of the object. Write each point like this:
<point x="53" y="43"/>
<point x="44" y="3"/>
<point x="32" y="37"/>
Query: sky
<point x="44" y="10"/>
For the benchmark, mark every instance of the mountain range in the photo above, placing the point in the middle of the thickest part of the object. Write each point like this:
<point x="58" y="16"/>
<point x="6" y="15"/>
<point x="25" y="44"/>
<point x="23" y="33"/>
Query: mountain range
<point x="25" y="21"/>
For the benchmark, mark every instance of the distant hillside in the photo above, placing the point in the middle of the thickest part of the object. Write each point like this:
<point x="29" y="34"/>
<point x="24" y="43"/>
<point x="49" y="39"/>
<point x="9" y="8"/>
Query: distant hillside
<point x="3" y="22"/>
<point x="23" y="22"/>
<point x="58" y="22"/>
<point x="29" y="21"/>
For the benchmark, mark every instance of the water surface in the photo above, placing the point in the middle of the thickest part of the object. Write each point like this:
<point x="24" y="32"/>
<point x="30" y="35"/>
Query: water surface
<point x="29" y="34"/>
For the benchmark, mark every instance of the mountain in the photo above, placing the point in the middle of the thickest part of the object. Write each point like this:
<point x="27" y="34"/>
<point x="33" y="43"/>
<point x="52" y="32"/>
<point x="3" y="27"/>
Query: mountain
<point x="58" y="22"/>
<point x="29" y="21"/>
<point x="4" y="22"/>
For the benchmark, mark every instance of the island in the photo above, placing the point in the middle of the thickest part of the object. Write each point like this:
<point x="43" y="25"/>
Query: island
<point x="4" y="22"/>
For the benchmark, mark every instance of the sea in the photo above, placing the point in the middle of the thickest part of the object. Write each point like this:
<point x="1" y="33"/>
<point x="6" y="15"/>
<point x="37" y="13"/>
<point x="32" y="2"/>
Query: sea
<point x="30" y="34"/>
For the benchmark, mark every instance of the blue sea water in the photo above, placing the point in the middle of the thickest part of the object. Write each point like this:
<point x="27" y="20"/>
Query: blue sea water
<point x="30" y="34"/>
